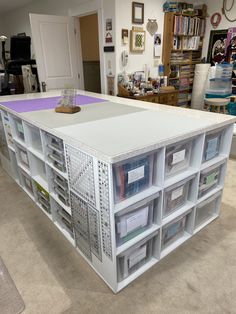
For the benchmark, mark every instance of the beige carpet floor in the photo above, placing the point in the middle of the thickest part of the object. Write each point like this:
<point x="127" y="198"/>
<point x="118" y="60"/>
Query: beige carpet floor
<point x="199" y="277"/>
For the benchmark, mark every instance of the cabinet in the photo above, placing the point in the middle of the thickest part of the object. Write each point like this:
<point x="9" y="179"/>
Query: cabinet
<point x="182" y="49"/>
<point x="124" y="197"/>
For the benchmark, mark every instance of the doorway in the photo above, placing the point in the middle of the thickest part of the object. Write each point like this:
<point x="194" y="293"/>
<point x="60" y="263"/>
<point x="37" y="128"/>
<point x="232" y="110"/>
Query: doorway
<point x="89" y="37"/>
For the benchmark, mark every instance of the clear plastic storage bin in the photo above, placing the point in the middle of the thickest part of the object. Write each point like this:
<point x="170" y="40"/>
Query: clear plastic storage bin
<point x="177" y="158"/>
<point x="176" y="196"/>
<point x="19" y="129"/>
<point x="132" y="176"/>
<point x="26" y="181"/>
<point x="173" y="231"/>
<point x="60" y="188"/>
<point x="134" y="258"/>
<point x="42" y="197"/>
<point x="55" y="152"/>
<point x="212" y="145"/>
<point x="131" y="222"/>
<point x="206" y="210"/>
<point x="22" y="155"/>
<point x="209" y="180"/>
<point x="64" y="219"/>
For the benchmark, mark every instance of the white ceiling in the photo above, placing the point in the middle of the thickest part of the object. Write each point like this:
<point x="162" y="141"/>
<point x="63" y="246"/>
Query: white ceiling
<point x="8" y="5"/>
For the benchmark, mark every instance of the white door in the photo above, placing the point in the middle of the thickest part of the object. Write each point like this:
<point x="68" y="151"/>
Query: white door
<point x="55" y="49"/>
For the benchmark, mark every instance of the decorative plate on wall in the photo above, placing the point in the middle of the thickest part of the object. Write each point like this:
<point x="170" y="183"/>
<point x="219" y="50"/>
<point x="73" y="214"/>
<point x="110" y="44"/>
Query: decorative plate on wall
<point x="152" y="26"/>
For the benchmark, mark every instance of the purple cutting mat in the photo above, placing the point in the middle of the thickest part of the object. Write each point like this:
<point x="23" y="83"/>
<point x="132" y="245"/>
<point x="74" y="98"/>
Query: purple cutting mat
<point x="46" y="103"/>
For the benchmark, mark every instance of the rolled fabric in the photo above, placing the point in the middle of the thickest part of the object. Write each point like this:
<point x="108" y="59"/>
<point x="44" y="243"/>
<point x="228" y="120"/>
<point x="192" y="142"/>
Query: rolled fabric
<point x="199" y="85"/>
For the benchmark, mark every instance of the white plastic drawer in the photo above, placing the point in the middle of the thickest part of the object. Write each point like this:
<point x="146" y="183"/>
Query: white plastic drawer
<point x="133" y="221"/>
<point x="42" y="197"/>
<point x="212" y="145"/>
<point x="177" y="158"/>
<point x="134" y="258"/>
<point x="176" y="196"/>
<point x="64" y="219"/>
<point x="60" y="187"/>
<point x="209" y="180"/>
<point x="132" y="176"/>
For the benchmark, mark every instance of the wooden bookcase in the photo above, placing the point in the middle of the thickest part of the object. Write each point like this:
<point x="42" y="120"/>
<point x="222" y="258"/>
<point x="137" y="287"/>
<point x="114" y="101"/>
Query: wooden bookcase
<point x="182" y="50"/>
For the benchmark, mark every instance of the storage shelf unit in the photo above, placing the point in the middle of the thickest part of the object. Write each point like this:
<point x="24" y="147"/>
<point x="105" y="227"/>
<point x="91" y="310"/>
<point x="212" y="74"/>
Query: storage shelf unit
<point x="122" y="212"/>
<point x="182" y="49"/>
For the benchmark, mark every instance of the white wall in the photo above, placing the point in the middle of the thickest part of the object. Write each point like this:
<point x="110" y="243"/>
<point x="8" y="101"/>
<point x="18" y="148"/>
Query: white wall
<point x="152" y="10"/>
<point x="214" y="6"/>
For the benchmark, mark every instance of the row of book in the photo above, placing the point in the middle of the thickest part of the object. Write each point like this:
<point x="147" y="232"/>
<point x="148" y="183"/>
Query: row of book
<point x="181" y="71"/>
<point x="180" y="57"/>
<point x="187" y="43"/>
<point x="192" y="26"/>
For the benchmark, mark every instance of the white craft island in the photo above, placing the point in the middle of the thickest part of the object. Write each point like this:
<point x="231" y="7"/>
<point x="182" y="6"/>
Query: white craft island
<point x="125" y="181"/>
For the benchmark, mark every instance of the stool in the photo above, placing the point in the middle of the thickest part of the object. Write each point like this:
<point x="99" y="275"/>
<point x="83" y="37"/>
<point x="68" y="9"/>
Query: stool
<point x="216" y="104"/>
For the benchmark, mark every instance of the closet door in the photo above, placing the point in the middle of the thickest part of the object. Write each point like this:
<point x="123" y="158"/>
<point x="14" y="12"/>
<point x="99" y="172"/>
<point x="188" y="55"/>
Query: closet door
<point x="55" y="49"/>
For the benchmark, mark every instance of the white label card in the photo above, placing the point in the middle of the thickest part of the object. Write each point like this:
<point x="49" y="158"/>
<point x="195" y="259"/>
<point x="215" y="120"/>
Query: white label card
<point x="177" y="193"/>
<point x="138" y="219"/>
<point x="211" y="148"/>
<point x="178" y="157"/>
<point x="137" y="256"/>
<point x="20" y="127"/>
<point x="136" y="174"/>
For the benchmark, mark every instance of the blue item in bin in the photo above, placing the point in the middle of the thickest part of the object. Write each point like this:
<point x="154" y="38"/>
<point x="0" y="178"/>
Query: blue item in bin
<point x="217" y="96"/>
<point x="232" y="108"/>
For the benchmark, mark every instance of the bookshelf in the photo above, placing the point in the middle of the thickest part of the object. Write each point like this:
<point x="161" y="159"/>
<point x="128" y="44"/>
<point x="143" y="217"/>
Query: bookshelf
<point x="182" y="50"/>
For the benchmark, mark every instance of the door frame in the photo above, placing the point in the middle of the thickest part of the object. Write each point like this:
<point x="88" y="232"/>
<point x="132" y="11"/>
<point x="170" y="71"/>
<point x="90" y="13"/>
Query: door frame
<point x="83" y="10"/>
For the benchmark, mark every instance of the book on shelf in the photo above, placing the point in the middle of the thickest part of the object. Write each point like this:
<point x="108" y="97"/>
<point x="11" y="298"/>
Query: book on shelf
<point x="189" y="26"/>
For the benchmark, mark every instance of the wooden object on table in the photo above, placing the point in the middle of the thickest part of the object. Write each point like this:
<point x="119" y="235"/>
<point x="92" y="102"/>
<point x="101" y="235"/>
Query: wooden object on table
<point x="70" y="110"/>
<point x="176" y="41"/>
<point x="169" y="97"/>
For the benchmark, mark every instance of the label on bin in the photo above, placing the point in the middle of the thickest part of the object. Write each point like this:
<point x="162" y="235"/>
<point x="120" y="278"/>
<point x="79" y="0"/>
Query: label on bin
<point x="139" y="219"/>
<point x="137" y="256"/>
<point x="211" y="148"/>
<point x="136" y="174"/>
<point x="178" y="157"/>
<point x="177" y="193"/>
<point x="211" y="178"/>
<point x="24" y="157"/>
<point x="20" y="127"/>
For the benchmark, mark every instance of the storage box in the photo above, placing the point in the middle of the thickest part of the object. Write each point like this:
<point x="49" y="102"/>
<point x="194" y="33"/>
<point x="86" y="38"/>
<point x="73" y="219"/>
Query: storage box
<point x="207" y="210"/>
<point x="173" y="231"/>
<point x="22" y="155"/>
<point x="26" y="181"/>
<point x="133" y="221"/>
<point x="60" y="187"/>
<point x="55" y="152"/>
<point x="132" y="176"/>
<point x="177" y="157"/>
<point x="212" y="145"/>
<point x="176" y="196"/>
<point x="64" y="219"/>
<point x="209" y="180"/>
<point x="42" y="197"/>
<point x="134" y="258"/>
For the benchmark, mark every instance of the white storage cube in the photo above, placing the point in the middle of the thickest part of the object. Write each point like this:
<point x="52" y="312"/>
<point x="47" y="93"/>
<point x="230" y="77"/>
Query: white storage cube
<point x="207" y="210"/>
<point x="132" y="259"/>
<point x="132" y="176"/>
<point x="176" y="229"/>
<point x="60" y="188"/>
<point x="33" y="139"/>
<point x="63" y="218"/>
<point x="176" y="196"/>
<point x="209" y="179"/>
<point x="212" y="145"/>
<point x="177" y="157"/>
<point x="136" y="219"/>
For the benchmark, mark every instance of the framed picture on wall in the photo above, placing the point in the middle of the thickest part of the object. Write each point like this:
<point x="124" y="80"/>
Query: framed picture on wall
<point x="216" y="48"/>
<point x="137" y="13"/>
<point x="137" y="40"/>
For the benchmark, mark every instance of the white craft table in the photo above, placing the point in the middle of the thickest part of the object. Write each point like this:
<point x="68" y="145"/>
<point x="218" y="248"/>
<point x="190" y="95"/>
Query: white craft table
<point x="125" y="181"/>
